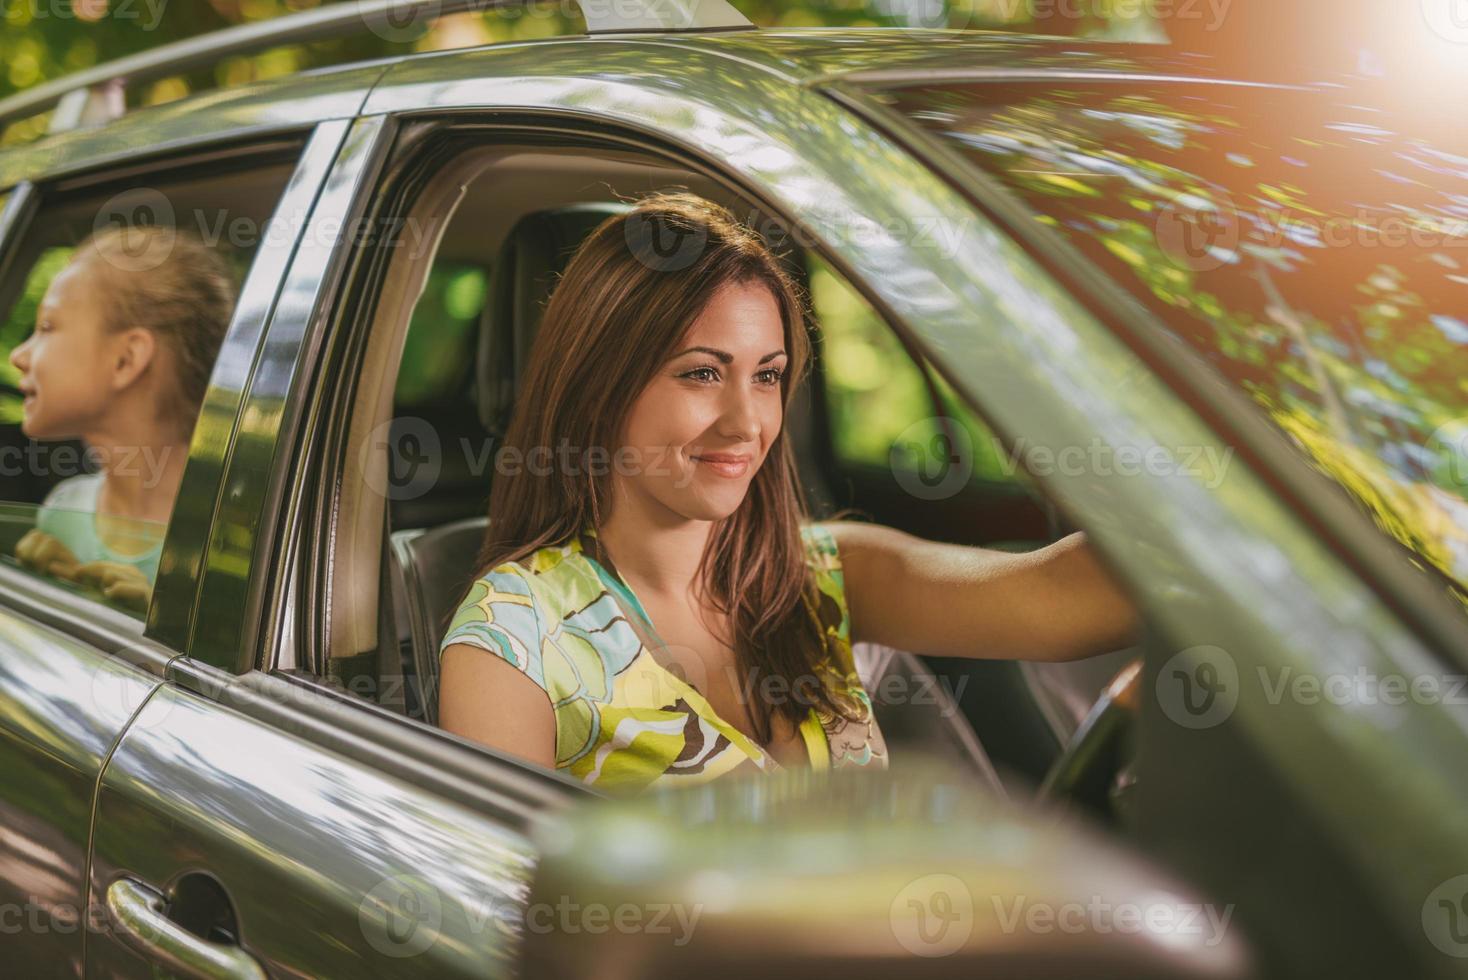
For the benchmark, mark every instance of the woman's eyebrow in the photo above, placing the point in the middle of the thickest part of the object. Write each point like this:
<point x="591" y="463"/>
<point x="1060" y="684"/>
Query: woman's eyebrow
<point x="724" y="356"/>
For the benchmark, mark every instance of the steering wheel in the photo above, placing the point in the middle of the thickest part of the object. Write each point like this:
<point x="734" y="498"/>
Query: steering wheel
<point x="1094" y="769"/>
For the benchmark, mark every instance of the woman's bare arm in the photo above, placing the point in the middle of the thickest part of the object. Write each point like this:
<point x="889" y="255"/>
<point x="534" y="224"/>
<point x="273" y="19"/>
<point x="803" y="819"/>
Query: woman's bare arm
<point x="489" y="700"/>
<point x="1057" y="603"/>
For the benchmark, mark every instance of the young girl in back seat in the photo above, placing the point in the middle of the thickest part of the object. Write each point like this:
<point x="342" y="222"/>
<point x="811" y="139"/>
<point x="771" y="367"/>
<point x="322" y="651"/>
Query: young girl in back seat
<point x="124" y="342"/>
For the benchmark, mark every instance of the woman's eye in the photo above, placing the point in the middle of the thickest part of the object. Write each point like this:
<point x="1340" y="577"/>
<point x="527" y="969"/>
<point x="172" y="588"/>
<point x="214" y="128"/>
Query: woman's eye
<point x="702" y="374"/>
<point x="771" y="376"/>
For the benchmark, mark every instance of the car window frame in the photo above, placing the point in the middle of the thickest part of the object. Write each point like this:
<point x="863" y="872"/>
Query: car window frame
<point x="418" y="129"/>
<point x="1003" y="498"/>
<point x="149" y="639"/>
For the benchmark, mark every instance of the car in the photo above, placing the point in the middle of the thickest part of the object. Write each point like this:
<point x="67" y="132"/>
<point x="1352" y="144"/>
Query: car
<point x="1059" y="285"/>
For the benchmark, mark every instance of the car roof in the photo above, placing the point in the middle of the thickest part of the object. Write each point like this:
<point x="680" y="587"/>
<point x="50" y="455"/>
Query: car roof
<point x="816" y="55"/>
<point x="805" y="56"/>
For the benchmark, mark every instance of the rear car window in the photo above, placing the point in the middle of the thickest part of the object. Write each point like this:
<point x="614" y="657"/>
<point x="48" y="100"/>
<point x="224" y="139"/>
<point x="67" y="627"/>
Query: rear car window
<point x="1315" y="256"/>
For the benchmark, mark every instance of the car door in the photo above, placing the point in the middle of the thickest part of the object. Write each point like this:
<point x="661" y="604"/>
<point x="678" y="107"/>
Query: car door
<point x="74" y="668"/>
<point x="66" y="693"/>
<point x="1220" y="560"/>
<point x="273" y="821"/>
<point x="55" y="730"/>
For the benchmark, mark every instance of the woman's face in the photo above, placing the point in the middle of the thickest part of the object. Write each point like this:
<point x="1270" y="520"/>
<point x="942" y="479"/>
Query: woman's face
<point x="65" y="365"/>
<point x="702" y="427"/>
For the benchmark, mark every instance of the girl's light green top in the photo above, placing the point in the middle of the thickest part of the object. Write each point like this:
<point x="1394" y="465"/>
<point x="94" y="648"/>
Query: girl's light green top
<point x="69" y="514"/>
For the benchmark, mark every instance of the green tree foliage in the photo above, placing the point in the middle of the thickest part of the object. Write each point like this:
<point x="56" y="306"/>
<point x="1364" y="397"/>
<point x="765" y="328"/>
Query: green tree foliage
<point x="1313" y="253"/>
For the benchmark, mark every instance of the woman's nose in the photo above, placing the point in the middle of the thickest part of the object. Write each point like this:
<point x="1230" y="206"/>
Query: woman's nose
<point x="740" y="419"/>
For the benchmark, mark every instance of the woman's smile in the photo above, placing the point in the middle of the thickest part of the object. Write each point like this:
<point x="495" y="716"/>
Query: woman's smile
<point x="725" y="464"/>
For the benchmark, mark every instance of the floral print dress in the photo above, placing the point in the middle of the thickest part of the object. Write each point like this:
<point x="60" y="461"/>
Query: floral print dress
<point x="625" y="722"/>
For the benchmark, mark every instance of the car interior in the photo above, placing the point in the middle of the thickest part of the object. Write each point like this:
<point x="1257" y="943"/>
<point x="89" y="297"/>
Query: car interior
<point x="506" y="224"/>
<point x="474" y="264"/>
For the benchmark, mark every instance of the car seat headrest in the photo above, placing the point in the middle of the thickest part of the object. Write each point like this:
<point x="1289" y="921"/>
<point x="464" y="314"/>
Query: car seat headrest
<point x="531" y="259"/>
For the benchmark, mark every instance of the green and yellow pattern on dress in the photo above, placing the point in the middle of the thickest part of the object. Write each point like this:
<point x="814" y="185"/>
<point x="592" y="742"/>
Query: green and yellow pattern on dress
<point x="624" y="721"/>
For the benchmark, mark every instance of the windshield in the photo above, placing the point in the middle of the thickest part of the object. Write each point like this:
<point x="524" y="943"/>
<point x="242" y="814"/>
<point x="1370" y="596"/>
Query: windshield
<point x="1314" y="256"/>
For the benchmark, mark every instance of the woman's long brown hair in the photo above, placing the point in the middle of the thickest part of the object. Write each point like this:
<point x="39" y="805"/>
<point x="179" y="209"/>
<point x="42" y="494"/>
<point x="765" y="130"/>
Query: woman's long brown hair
<point x="616" y="316"/>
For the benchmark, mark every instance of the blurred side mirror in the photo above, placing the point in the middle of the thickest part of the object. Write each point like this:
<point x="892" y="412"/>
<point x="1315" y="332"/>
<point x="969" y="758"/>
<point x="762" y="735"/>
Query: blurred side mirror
<point x="901" y="874"/>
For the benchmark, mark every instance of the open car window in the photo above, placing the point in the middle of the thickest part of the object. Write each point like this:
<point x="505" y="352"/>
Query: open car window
<point x="881" y="410"/>
<point x="92" y="266"/>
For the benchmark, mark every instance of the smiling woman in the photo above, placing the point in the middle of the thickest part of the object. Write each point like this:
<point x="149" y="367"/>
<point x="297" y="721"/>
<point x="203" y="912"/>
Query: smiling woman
<point x="673" y="347"/>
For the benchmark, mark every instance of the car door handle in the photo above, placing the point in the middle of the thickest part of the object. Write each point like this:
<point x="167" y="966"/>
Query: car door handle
<point x="138" y="912"/>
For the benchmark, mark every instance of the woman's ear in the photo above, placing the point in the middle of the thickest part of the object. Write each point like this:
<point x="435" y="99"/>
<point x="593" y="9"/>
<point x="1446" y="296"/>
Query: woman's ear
<point x="133" y="351"/>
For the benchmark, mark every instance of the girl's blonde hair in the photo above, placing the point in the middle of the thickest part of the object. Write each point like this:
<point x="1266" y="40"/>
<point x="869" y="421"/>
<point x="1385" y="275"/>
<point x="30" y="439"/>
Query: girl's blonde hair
<point x="169" y="282"/>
